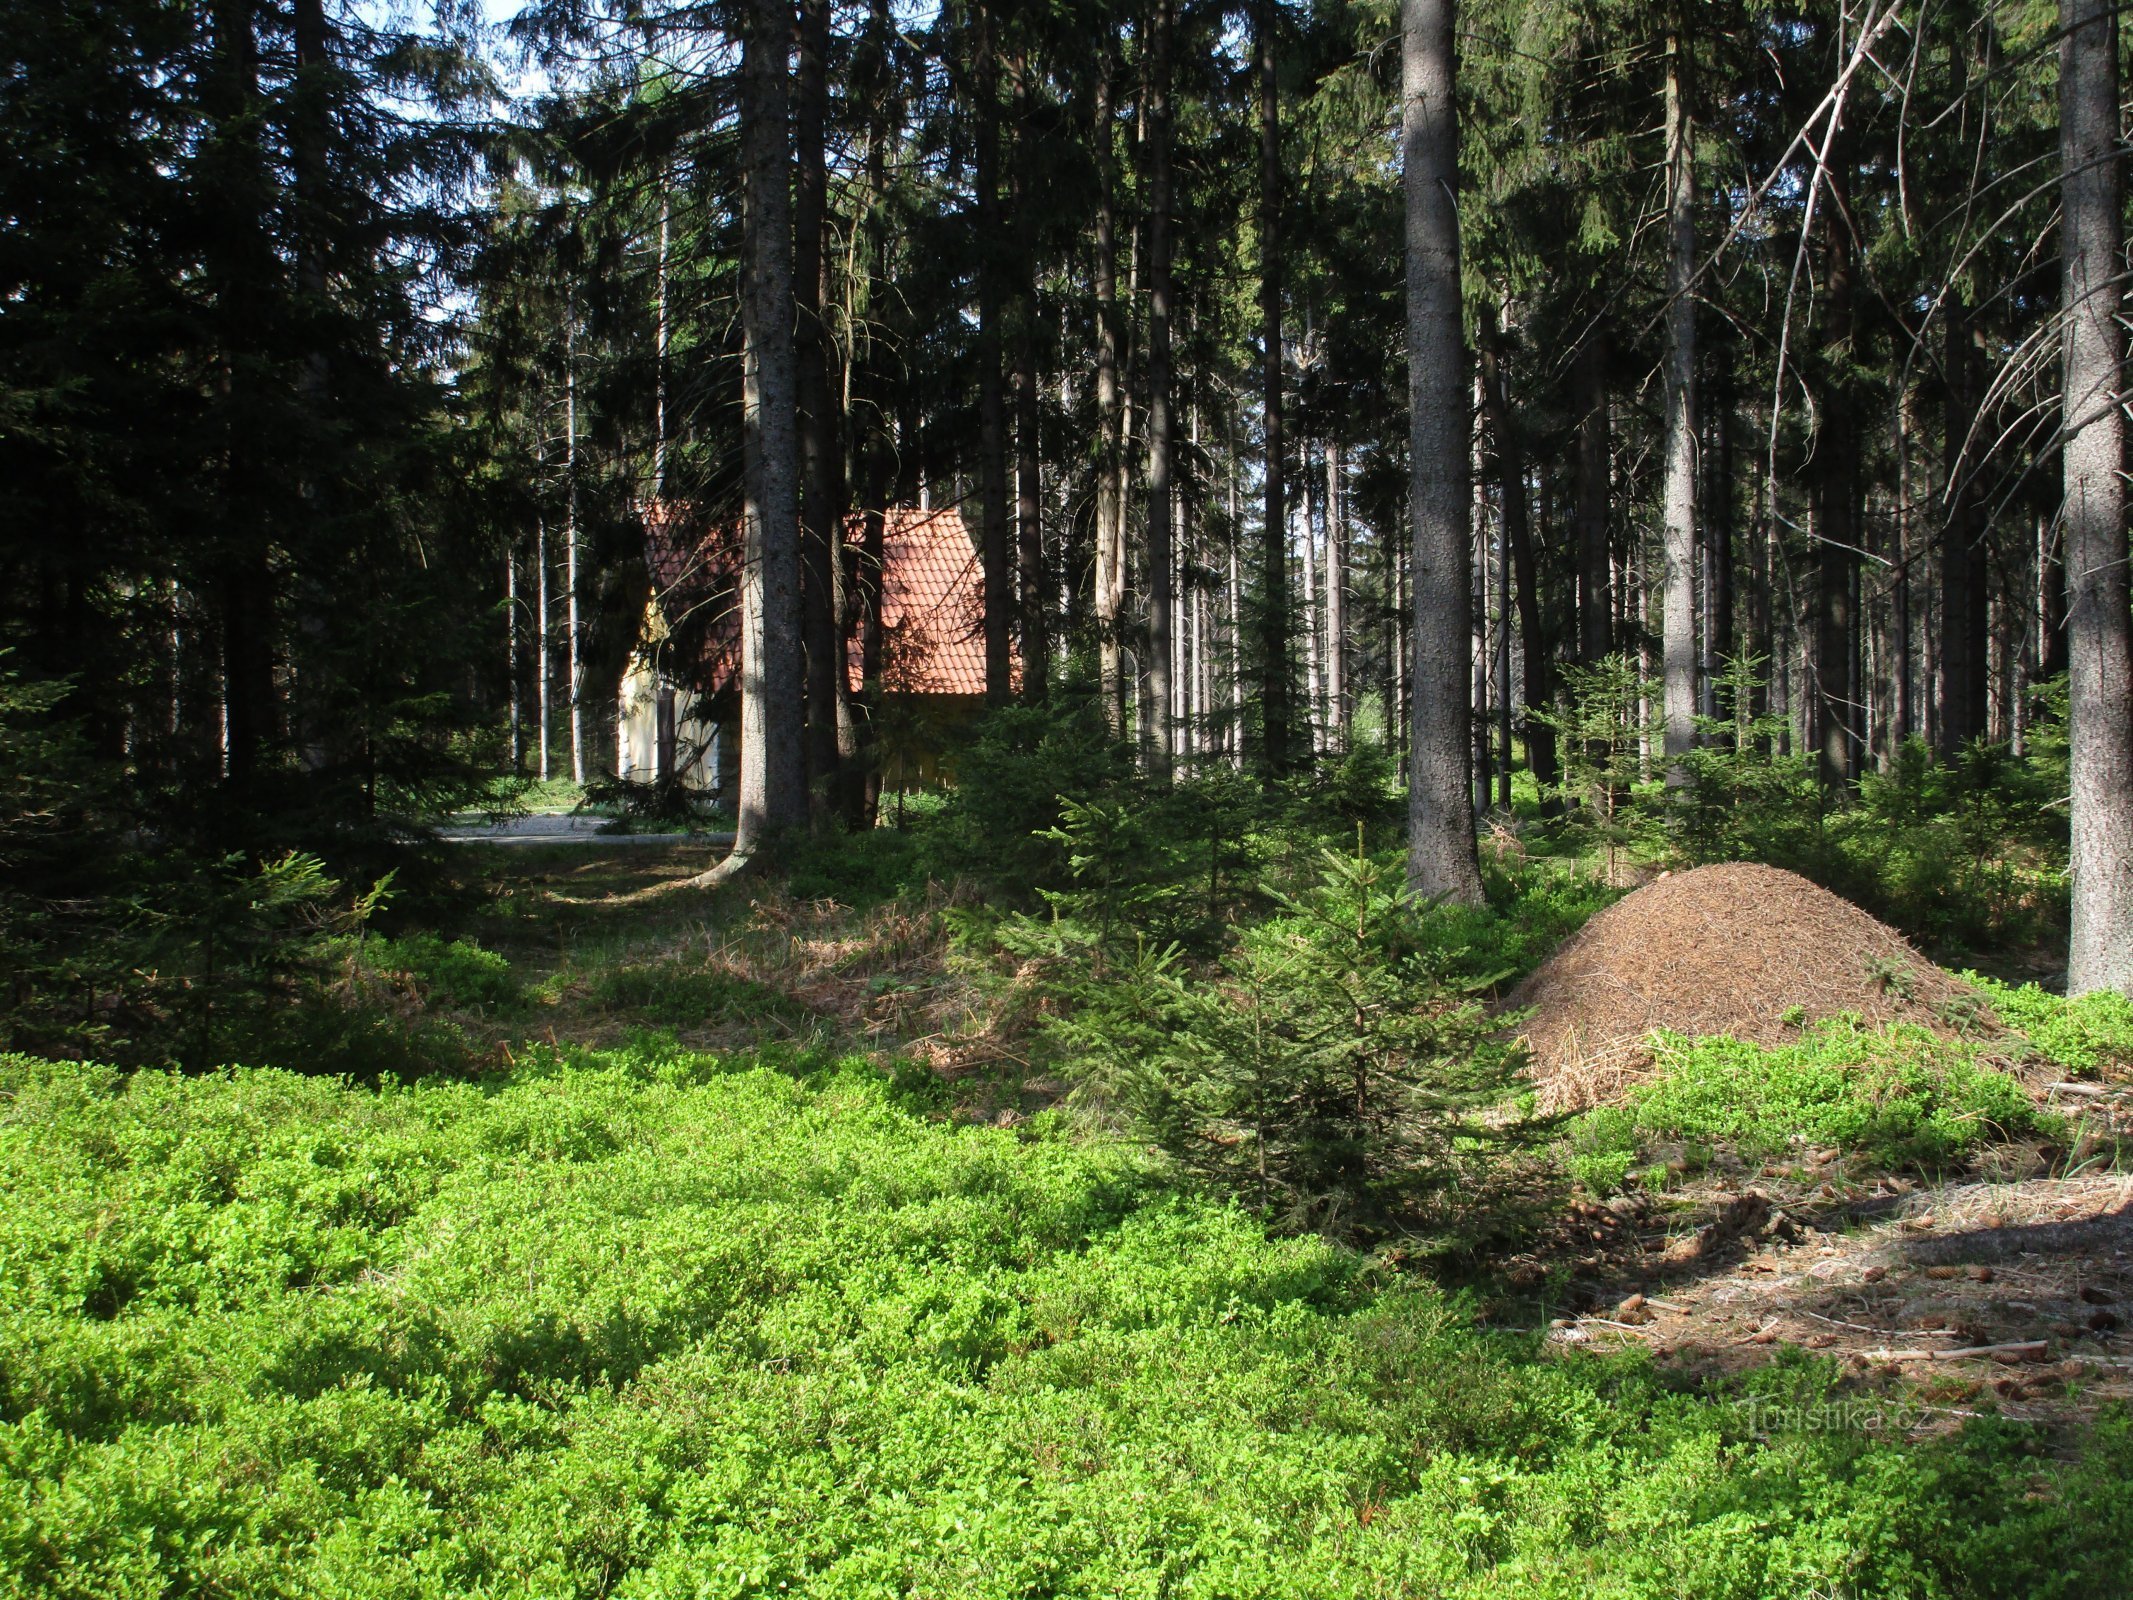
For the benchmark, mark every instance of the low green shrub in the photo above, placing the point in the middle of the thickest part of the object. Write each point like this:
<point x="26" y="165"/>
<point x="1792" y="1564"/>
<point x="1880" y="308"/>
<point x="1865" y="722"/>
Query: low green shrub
<point x="2086" y="1036"/>
<point x="455" y="972"/>
<point x="862" y="868"/>
<point x="676" y="994"/>
<point x="647" y="1323"/>
<point x="1900" y="1094"/>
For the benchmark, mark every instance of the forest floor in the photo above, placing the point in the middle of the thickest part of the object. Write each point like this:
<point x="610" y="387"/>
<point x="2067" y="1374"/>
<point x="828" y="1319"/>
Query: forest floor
<point x="2005" y="1288"/>
<point x="2007" y="1285"/>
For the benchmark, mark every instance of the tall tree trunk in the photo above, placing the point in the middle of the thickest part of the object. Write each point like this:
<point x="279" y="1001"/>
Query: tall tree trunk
<point x="1274" y="707"/>
<point x="1517" y="492"/>
<point x="875" y="453"/>
<point x="1588" y="375"/>
<point x="1963" y="666"/>
<point x="574" y="634"/>
<point x="1158" y="713"/>
<point x="1441" y="861"/>
<point x="1035" y="629"/>
<point x="1836" y="491"/>
<point x="511" y="633"/>
<point x="240" y="266"/>
<point x="773" y="773"/>
<point x="1336" y="601"/>
<point x="1307" y="572"/>
<point x="2100" y="724"/>
<point x="664" y="711"/>
<point x="1762" y="638"/>
<point x="1510" y="467"/>
<point x="1483" y="768"/>
<point x="1110" y="423"/>
<point x="1678" y="615"/>
<point x="545" y="661"/>
<point x="819" y="394"/>
<point x="1718" y="513"/>
<point x="993" y="507"/>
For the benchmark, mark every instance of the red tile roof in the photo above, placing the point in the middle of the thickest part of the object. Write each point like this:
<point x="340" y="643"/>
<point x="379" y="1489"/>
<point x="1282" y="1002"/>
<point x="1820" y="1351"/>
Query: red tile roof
<point x="932" y="605"/>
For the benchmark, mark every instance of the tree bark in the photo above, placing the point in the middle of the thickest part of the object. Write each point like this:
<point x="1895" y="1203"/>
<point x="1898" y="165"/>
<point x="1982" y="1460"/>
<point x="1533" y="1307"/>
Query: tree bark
<point x="1035" y="630"/>
<point x="819" y="394"/>
<point x="573" y="630"/>
<point x="1441" y="860"/>
<point x="773" y="778"/>
<point x="1335" y="585"/>
<point x="1110" y="424"/>
<point x="1596" y="630"/>
<point x="1963" y="687"/>
<point x="1510" y="467"/>
<point x="2100" y="951"/>
<point x="1158" y="712"/>
<point x="1274" y="707"/>
<point x="1836" y="492"/>
<point x="875" y="456"/>
<point x="240" y="264"/>
<point x="993" y="507"/>
<point x="1718" y="514"/>
<point x="1678" y="614"/>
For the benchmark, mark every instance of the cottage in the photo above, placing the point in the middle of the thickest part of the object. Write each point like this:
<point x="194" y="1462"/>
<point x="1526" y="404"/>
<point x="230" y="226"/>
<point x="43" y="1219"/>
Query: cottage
<point x="679" y="701"/>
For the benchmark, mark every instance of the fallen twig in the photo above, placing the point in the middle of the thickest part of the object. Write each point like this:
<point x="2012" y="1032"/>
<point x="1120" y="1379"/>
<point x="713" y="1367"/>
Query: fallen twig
<point x="2020" y="1347"/>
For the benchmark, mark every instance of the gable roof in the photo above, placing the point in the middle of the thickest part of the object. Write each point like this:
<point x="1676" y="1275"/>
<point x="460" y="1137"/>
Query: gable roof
<point x="932" y="602"/>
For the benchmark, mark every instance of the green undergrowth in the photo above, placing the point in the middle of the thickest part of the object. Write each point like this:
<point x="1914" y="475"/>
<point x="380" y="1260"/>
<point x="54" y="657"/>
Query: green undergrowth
<point x="452" y="972"/>
<point x="1901" y="1095"/>
<point x="680" y="994"/>
<point x="647" y="1323"/>
<point x="2089" y="1036"/>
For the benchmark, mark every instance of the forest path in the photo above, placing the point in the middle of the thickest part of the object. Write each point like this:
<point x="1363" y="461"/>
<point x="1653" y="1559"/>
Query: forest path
<point x="566" y="829"/>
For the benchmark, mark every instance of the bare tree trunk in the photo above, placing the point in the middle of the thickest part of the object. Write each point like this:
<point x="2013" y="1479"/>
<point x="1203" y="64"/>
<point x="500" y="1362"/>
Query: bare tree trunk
<point x="1029" y="469"/>
<point x="1596" y="630"/>
<point x="543" y="670"/>
<point x="1720" y="624"/>
<point x="1510" y="471"/>
<point x="993" y="510"/>
<point x="1483" y="768"/>
<point x="1336" y="601"/>
<point x="1234" y="734"/>
<point x="244" y="581"/>
<point x="1110" y="502"/>
<point x="1274" y="708"/>
<point x="572" y="651"/>
<point x="773" y="778"/>
<point x="1964" y="600"/>
<point x="662" y="685"/>
<point x="2100" y="953"/>
<point x="1156" y="717"/>
<point x="518" y="752"/>
<point x="1307" y="571"/>
<point x="874" y="457"/>
<point x="1836" y="488"/>
<point x="1441" y="861"/>
<point x="819" y="394"/>
<point x="1502" y="610"/>
<point x="1678" y="616"/>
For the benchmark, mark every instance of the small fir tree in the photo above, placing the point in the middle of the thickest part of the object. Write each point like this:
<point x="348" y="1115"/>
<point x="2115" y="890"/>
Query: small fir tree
<point x="1338" y="1073"/>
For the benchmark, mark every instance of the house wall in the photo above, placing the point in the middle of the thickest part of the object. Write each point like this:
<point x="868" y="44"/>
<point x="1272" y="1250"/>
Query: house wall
<point x="704" y="748"/>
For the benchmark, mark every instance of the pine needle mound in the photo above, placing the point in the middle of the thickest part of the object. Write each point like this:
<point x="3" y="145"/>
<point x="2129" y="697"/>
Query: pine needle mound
<point x="1751" y="951"/>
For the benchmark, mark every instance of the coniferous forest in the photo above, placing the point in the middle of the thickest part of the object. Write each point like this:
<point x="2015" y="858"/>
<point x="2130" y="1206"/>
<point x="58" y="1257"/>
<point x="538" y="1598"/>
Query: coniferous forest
<point x="999" y="797"/>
